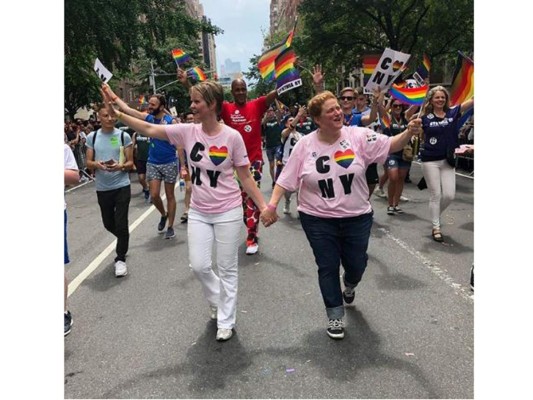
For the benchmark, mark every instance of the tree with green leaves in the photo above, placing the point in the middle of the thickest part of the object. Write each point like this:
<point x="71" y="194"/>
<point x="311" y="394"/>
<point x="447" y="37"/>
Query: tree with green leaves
<point x="123" y="35"/>
<point x="352" y="28"/>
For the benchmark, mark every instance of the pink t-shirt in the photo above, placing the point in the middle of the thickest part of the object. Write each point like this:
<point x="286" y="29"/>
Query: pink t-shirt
<point x="331" y="178"/>
<point x="211" y="161"/>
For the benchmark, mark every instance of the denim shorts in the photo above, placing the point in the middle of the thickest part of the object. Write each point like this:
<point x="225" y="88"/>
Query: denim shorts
<point x="395" y="161"/>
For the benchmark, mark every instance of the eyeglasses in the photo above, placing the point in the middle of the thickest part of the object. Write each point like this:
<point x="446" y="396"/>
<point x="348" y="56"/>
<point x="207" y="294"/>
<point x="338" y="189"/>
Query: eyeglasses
<point x="396" y="105"/>
<point x="349" y="98"/>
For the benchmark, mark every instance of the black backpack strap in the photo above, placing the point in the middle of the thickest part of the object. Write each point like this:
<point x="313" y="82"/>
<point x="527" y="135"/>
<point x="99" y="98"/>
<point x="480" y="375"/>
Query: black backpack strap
<point x="122" y="138"/>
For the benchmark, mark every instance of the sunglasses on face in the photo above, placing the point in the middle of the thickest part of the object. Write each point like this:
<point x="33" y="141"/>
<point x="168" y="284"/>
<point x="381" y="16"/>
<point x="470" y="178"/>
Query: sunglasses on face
<point x="396" y="105"/>
<point x="349" y="98"/>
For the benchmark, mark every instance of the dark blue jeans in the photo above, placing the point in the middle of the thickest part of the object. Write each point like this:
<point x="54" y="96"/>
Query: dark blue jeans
<point x="337" y="241"/>
<point x="114" y="207"/>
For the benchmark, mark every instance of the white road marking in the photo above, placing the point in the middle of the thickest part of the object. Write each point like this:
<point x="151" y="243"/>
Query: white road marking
<point x="101" y="257"/>
<point x="431" y="265"/>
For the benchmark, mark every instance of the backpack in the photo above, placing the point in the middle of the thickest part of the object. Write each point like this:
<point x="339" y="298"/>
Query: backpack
<point x="94" y="140"/>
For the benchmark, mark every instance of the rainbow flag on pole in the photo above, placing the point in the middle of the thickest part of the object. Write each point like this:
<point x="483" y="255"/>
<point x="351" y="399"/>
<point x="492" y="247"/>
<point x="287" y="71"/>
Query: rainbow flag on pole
<point x="266" y="63"/>
<point x="412" y="96"/>
<point x="287" y="76"/>
<point x="180" y="56"/>
<point x="463" y="80"/>
<point x="197" y="74"/>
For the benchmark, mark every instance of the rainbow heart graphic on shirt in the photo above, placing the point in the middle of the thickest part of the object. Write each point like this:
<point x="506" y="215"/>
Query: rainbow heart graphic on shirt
<point x="218" y="154"/>
<point x="344" y="158"/>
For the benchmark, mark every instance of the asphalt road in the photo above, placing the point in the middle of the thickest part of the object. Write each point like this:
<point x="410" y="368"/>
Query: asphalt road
<point x="410" y="332"/>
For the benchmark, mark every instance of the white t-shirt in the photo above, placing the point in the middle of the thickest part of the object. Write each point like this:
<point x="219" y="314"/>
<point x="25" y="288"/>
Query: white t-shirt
<point x="289" y="144"/>
<point x="331" y="179"/>
<point x="211" y="162"/>
<point x="69" y="161"/>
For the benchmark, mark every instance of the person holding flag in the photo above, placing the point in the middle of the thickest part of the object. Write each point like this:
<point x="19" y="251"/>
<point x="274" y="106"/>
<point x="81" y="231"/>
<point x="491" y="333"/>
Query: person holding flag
<point x="440" y="126"/>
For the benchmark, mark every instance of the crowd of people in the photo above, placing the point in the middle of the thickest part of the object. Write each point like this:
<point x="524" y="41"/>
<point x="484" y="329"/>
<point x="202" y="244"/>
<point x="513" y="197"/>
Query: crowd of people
<point x="326" y="153"/>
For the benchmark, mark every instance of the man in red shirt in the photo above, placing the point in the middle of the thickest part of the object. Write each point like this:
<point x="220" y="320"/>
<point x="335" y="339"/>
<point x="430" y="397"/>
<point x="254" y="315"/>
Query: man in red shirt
<point x="245" y="116"/>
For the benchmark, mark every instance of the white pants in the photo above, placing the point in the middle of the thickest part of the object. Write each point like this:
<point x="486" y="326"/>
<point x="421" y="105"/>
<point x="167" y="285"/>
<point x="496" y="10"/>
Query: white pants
<point x="440" y="178"/>
<point x="225" y="229"/>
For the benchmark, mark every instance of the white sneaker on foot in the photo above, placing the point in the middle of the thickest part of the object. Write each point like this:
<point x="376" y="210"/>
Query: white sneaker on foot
<point x="224" y="334"/>
<point x="287" y="208"/>
<point x="120" y="268"/>
<point x="403" y="198"/>
<point x="252" y="248"/>
<point x="213" y="311"/>
<point x="380" y="193"/>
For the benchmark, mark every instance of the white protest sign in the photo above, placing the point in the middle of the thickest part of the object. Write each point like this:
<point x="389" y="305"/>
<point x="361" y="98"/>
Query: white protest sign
<point x="102" y="72"/>
<point x="390" y="66"/>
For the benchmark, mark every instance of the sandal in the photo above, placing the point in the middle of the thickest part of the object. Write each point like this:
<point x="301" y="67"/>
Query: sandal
<point x="185" y="217"/>
<point x="437" y="235"/>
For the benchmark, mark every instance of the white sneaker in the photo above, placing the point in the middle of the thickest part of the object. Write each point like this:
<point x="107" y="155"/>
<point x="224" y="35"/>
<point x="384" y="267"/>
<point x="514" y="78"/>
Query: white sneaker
<point x="252" y="249"/>
<point x="403" y="198"/>
<point x="287" y="208"/>
<point x="380" y="193"/>
<point x="213" y="312"/>
<point x="120" y="269"/>
<point x="224" y="334"/>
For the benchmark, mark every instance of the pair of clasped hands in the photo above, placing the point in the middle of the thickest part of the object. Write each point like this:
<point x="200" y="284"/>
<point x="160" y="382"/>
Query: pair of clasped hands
<point x="269" y="216"/>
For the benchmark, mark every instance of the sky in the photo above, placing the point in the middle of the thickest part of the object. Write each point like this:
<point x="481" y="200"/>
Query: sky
<point x="244" y="23"/>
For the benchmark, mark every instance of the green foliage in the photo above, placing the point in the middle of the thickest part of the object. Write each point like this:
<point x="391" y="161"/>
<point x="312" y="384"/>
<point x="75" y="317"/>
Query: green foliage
<point x="352" y="28"/>
<point x="123" y="35"/>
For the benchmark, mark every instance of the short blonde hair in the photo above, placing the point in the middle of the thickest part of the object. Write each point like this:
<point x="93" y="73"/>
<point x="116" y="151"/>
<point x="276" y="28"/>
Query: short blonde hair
<point x="211" y="92"/>
<point x="314" y="107"/>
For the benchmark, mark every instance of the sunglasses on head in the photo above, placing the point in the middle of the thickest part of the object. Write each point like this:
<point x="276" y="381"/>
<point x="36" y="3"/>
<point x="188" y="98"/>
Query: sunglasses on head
<point x="349" y="98"/>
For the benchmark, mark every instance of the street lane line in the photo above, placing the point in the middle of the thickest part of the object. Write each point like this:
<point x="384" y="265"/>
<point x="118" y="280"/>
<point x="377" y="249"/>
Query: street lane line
<point x="432" y="266"/>
<point x="101" y="257"/>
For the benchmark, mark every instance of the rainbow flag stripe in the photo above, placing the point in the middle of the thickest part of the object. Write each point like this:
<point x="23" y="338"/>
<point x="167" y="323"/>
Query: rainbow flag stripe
<point x="197" y="74"/>
<point x="412" y="96"/>
<point x="344" y="158"/>
<point x="284" y="66"/>
<point x="266" y="63"/>
<point x="463" y="81"/>
<point x="423" y="70"/>
<point x="218" y="155"/>
<point x="369" y="64"/>
<point x="180" y="56"/>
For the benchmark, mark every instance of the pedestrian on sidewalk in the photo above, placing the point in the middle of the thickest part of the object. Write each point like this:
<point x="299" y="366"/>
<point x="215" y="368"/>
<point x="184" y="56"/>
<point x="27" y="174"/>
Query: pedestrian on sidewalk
<point x="113" y="189"/>
<point x="214" y="151"/>
<point x="328" y="167"/>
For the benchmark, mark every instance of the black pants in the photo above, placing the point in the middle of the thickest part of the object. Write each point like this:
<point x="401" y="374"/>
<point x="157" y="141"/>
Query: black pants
<point x="114" y="206"/>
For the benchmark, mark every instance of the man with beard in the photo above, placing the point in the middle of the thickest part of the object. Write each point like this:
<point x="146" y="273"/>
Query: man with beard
<point x="162" y="164"/>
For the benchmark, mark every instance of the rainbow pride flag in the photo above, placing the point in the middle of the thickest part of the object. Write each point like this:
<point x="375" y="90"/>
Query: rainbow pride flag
<point x="463" y="80"/>
<point x="423" y="70"/>
<point x="197" y="74"/>
<point x="369" y="64"/>
<point x="141" y="99"/>
<point x="287" y="76"/>
<point x="412" y="96"/>
<point x="180" y="56"/>
<point x="266" y="63"/>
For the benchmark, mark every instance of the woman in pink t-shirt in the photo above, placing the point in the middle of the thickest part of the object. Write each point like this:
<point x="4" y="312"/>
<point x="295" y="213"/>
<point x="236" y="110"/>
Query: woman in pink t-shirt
<point x="328" y="167"/>
<point x="214" y="152"/>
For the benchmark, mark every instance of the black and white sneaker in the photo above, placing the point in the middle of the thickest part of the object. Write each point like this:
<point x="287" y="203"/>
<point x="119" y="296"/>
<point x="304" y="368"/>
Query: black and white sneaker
<point x="68" y="322"/>
<point x="391" y="210"/>
<point x="348" y="295"/>
<point x="336" y="328"/>
<point x="398" y="210"/>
